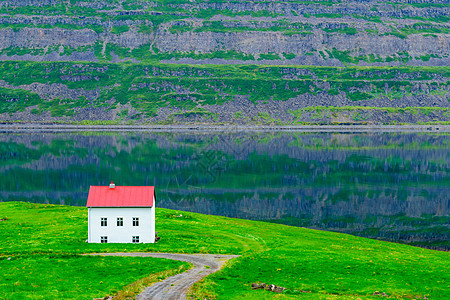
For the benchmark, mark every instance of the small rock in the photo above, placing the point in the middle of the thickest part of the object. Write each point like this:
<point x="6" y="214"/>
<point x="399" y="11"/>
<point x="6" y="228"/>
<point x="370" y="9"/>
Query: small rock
<point x="278" y="289"/>
<point x="275" y="288"/>
<point x="268" y="287"/>
<point x="257" y="285"/>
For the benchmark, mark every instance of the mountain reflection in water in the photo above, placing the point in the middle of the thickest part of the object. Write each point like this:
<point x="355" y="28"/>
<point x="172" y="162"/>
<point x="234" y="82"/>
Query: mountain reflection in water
<point x="392" y="186"/>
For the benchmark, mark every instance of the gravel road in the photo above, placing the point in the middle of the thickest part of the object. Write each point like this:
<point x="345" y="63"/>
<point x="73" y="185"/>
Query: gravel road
<point x="175" y="287"/>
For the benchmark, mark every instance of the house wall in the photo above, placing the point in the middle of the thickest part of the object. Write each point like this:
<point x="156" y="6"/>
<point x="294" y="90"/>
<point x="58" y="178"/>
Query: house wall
<point x="121" y="234"/>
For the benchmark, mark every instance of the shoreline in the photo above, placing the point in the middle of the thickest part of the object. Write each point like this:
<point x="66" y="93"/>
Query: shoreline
<point x="6" y="128"/>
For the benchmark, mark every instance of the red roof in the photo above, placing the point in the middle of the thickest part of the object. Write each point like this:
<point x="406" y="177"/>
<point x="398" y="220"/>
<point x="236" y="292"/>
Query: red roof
<point x="121" y="196"/>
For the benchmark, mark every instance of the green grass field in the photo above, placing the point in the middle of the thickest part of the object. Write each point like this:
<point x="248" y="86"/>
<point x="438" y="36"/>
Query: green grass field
<point x="311" y="264"/>
<point x="75" y="277"/>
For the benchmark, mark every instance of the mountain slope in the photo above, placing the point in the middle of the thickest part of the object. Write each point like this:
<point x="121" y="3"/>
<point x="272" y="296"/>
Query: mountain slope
<point x="125" y="61"/>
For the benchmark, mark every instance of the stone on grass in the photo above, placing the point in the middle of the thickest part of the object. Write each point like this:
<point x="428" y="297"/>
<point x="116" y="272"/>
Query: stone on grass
<point x="268" y="287"/>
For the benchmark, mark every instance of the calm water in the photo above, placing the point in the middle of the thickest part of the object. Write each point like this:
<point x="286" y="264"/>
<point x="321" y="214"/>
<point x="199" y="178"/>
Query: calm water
<point x="388" y="186"/>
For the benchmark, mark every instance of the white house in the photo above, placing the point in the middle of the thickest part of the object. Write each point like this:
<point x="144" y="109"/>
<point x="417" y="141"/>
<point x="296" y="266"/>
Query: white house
<point x="121" y="214"/>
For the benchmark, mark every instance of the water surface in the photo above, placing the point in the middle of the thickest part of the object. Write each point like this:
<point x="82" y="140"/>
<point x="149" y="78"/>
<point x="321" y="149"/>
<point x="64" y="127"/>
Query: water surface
<point x="391" y="186"/>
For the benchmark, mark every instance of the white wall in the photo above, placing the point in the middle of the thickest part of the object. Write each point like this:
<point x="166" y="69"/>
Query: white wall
<point x="121" y="234"/>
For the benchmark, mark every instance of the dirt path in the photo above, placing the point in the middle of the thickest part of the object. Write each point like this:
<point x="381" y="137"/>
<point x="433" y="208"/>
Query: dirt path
<point x="175" y="287"/>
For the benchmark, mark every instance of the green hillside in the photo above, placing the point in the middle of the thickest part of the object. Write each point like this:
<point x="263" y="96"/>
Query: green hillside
<point x="310" y="264"/>
<point x="225" y="62"/>
<point x="106" y="93"/>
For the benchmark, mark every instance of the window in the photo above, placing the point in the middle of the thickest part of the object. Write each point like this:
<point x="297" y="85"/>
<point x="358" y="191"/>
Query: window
<point x="104" y="221"/>
<point x="119" y="221"/>
<point x="135" y="239"/>
<point x="103" y="239"/>
<point x="135" y="221"/>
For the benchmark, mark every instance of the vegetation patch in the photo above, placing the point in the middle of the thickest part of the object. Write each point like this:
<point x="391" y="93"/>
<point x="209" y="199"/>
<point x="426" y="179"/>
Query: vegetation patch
<point x="51" y="276"/>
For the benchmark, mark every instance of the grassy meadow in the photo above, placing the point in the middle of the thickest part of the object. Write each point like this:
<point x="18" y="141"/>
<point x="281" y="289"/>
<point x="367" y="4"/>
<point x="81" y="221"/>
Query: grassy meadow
<point x="75" y="276"/>
<point x="43" y="243"/>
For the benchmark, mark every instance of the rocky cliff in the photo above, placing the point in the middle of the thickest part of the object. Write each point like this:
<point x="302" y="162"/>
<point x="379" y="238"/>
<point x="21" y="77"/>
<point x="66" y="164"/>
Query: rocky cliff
<point x="297" y="32"/>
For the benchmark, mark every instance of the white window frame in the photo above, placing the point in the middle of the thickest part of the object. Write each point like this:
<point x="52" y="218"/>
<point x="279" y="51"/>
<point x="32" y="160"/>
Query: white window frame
<point x="104" y="221"/>
<point x="104" y="239"/>
<point x="135" y="239"/>
<point x="136" y="221"/>
<point x="119" y="222"/>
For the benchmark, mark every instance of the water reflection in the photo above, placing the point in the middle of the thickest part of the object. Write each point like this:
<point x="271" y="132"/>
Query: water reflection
<point x="386" y="185"/>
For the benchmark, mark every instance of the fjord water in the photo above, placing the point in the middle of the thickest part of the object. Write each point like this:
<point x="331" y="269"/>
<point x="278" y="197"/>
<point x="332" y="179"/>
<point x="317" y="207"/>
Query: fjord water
<point x="391" y="186"/>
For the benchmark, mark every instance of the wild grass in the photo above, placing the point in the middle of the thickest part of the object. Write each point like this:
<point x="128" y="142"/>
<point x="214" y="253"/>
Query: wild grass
<point x="52" y="276"/>
<point x="133" y="289"/>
